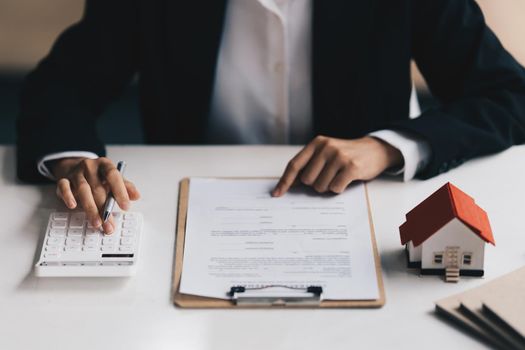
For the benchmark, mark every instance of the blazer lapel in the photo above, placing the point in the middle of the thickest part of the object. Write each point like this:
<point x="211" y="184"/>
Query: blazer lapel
<point x="340" y="34"/>
<point x="194" y="30"/>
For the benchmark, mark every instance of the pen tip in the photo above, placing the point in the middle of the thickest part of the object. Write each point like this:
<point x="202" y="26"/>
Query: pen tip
<point x="106" y="216"/>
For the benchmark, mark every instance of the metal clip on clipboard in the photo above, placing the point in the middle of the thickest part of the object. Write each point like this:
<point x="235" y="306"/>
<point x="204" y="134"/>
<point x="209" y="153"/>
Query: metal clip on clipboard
<point x="276" y="295"/>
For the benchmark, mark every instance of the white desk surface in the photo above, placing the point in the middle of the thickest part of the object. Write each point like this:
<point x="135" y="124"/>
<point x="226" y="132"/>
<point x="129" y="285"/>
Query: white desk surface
<point x="136" y="313"/>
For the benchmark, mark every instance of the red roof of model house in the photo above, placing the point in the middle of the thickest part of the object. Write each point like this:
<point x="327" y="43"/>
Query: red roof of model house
<point x="438" y="209"/>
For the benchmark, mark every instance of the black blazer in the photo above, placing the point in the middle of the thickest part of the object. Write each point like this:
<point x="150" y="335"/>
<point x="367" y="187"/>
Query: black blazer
<point x="361" y="76"/>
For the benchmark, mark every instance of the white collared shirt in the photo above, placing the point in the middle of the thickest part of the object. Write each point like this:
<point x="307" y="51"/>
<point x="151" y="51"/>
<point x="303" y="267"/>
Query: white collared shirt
<point x="262" y="92"/>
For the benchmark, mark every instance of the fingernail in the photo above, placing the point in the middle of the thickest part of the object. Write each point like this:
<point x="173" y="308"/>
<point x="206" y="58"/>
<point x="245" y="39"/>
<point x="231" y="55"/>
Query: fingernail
<point x="276" y="193"/>
<point x="109" y="228"/>
<point x="71" y="204"/>
<point x="125" y="205"/>
<point x="97" y="223"/>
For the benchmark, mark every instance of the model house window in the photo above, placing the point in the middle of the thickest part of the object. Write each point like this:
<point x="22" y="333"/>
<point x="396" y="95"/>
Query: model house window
<point x="438" y="258"/>
<point x="467" y="258"/>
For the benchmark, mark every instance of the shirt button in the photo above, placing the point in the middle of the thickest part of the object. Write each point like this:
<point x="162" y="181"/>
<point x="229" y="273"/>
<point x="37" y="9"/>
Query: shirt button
<point x="278" y="67"/>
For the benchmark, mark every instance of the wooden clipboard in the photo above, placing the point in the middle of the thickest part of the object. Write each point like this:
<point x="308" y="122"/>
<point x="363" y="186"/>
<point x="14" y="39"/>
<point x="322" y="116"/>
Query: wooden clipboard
<point x="194" y="301"/>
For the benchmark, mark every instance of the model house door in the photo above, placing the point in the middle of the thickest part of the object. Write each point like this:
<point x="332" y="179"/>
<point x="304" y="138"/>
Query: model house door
<point x="451" y="257"/>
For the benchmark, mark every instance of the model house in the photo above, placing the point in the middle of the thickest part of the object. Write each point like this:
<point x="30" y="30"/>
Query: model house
<point x="446" y="234"/>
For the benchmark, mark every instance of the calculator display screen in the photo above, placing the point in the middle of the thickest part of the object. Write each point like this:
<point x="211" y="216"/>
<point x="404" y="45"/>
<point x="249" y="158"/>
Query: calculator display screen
<point x="117" y="255"/>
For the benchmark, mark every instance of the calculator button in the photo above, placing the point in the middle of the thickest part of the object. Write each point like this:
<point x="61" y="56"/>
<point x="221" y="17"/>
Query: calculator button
<point x="117" y="215"/>
<point x="77" y="220"/>
<point x="60" y="216"/>
<point x="90" y="240"/>
<point x="92" y="231"/>
<point x="57" y="233"/>
<point x="72" y="248"/>
<point x="128" y="232"/>
<point x="127" y="241"/>
<point x="51" y="255"/>
<point x="73" y="241"/>
<point x="55" y="241"/>
<point x="59" y="224"/>
<point x="108" y="248"/>
<point x="129" y="224"/>
<point x="77" y="232"/>
<point x="52" y="249"/>
<point x="90" y="248"/>
<point x="130" y="216"/>
<point x="109" y="240"/>
<point x="90" y="226"/>
<point x="125" y="249"/>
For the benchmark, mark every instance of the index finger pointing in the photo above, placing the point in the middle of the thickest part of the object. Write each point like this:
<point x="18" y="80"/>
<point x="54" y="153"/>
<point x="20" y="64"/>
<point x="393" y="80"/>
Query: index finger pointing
<point x="292" y="170"/>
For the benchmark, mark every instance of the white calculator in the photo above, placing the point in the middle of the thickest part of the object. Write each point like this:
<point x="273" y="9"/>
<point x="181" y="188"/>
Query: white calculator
<point x="74" y="248"/>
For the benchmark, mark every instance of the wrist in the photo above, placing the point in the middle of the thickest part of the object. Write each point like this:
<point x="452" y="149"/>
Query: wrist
<point x="393" y="156"/>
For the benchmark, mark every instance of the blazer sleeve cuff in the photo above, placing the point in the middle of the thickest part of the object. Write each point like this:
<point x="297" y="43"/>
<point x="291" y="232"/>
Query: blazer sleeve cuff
<point x="415" y="150"/>
<point x="43" y="168"/>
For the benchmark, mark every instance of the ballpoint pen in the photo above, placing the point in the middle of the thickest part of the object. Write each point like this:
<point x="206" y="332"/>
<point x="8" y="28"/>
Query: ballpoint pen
<point x="110" y="201"/>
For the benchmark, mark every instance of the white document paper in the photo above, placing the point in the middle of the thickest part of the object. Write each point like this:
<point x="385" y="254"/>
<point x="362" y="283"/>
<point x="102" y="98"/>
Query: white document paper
<point x="237" y="234"/>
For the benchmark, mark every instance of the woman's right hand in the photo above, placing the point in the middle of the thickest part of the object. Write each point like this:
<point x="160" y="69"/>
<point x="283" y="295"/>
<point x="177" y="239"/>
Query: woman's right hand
<point x="87" y="182"/>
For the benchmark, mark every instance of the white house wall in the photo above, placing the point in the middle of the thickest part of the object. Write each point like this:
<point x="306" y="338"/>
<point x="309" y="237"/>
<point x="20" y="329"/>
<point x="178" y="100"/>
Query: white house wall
<point x="414" y="253"/>
<point x="456" y="234"/>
